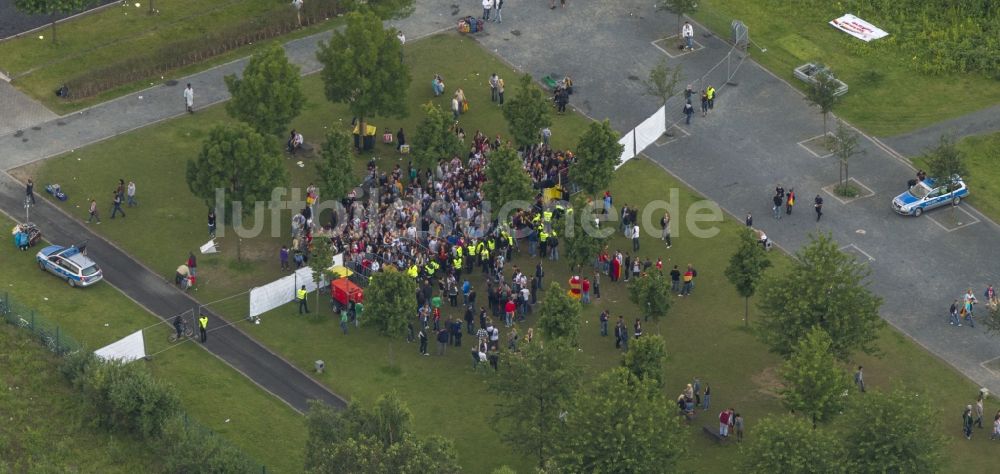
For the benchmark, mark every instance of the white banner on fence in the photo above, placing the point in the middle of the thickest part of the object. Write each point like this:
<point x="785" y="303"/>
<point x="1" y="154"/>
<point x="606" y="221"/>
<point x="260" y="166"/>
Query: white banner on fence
<point x="126" y="349"/>
<point x="650" y="130"/>
<point x="281" y="291"/>
<point x="858" y="28"/>
<point x="626" y="142"/>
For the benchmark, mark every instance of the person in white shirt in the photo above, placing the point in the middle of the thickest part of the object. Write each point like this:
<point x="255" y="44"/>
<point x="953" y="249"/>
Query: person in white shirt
<point x="189" y="98"/>
<point x="401" y="37"/>
<point x="487" y="6"/>
<point x="687" y="31"/>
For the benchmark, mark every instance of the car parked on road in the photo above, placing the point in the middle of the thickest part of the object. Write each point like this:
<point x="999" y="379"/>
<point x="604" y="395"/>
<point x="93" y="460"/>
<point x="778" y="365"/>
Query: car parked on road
<point x="928" y="194"/>
<point x="70" y="264"/>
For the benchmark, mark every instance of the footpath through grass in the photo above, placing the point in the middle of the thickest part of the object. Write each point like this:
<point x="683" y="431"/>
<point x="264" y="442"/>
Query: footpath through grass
<point x="887" y="95"/>
<point x="211" y="392"/>
<point x="705" y="334"/>
<point x="93" y="41"/>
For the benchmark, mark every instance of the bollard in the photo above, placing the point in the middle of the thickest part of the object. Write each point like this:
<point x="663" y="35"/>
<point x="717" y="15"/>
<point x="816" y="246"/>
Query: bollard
<point x="320" y="365"/>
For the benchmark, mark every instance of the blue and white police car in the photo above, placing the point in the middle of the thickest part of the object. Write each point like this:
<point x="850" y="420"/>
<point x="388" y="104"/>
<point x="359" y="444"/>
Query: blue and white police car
<point x="928" y="194"/>
<point x="70" y="264"/>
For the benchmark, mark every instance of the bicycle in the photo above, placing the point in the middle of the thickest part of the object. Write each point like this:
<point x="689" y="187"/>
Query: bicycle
<point x="187" y="330"/>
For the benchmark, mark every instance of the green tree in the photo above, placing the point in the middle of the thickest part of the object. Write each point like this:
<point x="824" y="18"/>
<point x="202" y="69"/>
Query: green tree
<point x="243" y="164"/>
<point x="662" y="84"/>
<point x="746" y="267"/>
<point x="361" y="68"/>
<point x="378" y="439"/>
<point x="269" y="95"/>
<point x="651" y="294"/>
<point x="559" y="316"/>
<point x="845" y="147"/>
<point x="898" y="431"/>
<point x="52" y="8"/>
<point x="823" y="94"/>
<point x="597" y="155"/>
<point x="827" y="288"/>
<point x="992" y="319"/>
<point x="945" y="160"/>
<point x="389" y="302"/>
<point x="788" y="445"/>
<point x="527" y="113"/>
<point x="506" y="180"/>
<point x="681" y="8"/>
<point x="320" y="261"/>
<point x="646" y="358"/>
<point x="435" y="139"/>
<point x="621" y="423"/>
<point x="385" y="9"/>
<point x="188" y="448"/>
<point x="534" y="387"/>
<point x="814" y="384"/>
<point x="334" y="172"/>
<point x="581" y="242"/>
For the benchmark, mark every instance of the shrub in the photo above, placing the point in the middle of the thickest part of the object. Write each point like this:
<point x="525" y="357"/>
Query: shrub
<point x="126" y="397"/>
<point x="190" y="448"/>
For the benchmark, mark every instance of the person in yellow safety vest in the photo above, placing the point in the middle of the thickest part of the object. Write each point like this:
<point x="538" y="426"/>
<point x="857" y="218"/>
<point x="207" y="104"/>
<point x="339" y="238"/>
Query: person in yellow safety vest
<point x="492" y="244"/>
<point x="471" y="249"/>
<point x="457" y="263"/>
<point x="429" y="269"/>
<point x="484" y="257"/>
<point x="543" y="236"/>
<point x="458" y="251"/>
<point x="547" y="215"/>
<point x="481" y="246"/>
<point x="303" y="303"/>
<point x="203" y="327"/>
<point x="535" y="219"/>
<point x="413" y="271"/>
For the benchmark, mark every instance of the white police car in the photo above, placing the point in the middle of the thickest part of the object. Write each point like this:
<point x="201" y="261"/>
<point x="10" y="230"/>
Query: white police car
<point x="70" y="264"/>
<point x="927" y="194"/>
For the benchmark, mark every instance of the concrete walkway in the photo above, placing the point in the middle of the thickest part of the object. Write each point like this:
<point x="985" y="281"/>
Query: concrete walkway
<point x="918" y="141"/>
<point x="19" y="112"/>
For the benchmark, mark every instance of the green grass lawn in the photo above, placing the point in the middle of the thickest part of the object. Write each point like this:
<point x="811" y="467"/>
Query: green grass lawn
<point x="982" y="153"/>
<point x="92" y="41"/>
<point x="886" y="97"/>
<point x="211" y="391"/>
<point x="705" y="333"/>
<point x="45" y="428"/>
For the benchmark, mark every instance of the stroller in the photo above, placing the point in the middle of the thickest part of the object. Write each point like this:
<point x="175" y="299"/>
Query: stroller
<point x="26" y="235"/>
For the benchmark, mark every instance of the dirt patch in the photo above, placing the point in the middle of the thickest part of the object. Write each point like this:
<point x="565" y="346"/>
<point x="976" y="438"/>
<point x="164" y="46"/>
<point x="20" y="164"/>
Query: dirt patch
<point x="768" y="382"/>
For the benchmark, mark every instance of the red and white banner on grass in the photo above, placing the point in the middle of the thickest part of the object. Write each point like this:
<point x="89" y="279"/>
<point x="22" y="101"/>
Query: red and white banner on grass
<point x="858" y="28"/>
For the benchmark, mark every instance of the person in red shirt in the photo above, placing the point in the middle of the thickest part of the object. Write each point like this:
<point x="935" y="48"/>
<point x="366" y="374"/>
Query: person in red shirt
<point x="508" y="310"/>
<point x="724" y="422"/>
<point x="659" y="264"/>
<point x="585" y="286"/>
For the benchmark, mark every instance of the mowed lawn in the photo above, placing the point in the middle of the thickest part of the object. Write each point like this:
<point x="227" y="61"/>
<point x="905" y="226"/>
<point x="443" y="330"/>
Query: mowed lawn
<point x="982" y="154"/>
<point x="705" y="333"/>
<point x="93" y="41"/>
<point x="212" y="393"/>
<point x="886" y="96"/>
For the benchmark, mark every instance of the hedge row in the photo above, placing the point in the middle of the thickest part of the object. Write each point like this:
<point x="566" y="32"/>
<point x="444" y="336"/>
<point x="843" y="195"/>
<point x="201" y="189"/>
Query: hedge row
<point x="182" y="53"/>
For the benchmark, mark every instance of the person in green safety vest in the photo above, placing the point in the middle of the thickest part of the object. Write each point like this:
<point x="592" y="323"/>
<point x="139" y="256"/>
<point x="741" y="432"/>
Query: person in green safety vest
<point x="484" y="258"/>
<point x="413" y="271"/>
<point x="458" y="251"/>
<point x="203" y="327"/>
<point x="300" y="295"/>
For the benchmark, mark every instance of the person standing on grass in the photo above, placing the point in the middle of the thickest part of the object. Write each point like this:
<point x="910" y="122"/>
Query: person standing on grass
<point x="500" y="86"/>
<point x="189" y="98"/>
<point x="130" y="194"/>
<point x="116" y="205"/>
<point x="29" y="192"/>
<point x="442" y="339"/>
<point x="687" y="31"/>
<point x="738" y="427"/>
<point x="494" y="83"/>
<point x="343" y="321"/>
<point x="423" y="341"/>
<point x="635" y="238"/>
<point x="707" y="401"/>
<point x="724" y="423"/>
<point x="967" y="422"/>
<point x="303" y="301"/>
<point x="604" y="323"/>
<point x="979" y="410"/>
<point x="211" y="223"/>
<point x="203" y="327"/>
<point x="585" y="290"/>
<point x="283" y="258"/>
<point x="455" y="107"/>
<point x="597" y="285"/>
<point x="93" y="212"/>
<point x="859" y="379"/>
<point x="665" y="225"/>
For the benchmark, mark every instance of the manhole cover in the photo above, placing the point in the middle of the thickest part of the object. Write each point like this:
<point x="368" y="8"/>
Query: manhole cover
<point x="171" y="83"/>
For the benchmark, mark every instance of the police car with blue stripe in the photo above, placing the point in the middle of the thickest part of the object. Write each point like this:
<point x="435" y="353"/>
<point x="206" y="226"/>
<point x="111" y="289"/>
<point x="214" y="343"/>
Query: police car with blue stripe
<point x="927" y="194"/>
<point x="70" y="264"/>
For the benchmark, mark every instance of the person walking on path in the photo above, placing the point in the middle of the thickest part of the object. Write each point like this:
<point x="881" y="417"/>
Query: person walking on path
<point x="130" y="194"/>
<point x="710" y="93"/>
<point x="953" y="314"/>
<point x="487" y="8"/>
<point x="303" y="302"/>
<point x="93" y="212"/>
<point x="29" y="192"/>
<point x="967" y="422"/>
<point x="189" y="98"/>
<point x="859" y="379"/>
<point x="687" y="31"/>
<point x="789" y="201"/>
<point x="776" y="206"/>
<point x="704" y="103"/>
<point x="203" y="327"/>
<point x="818" y="205"/>
<point x="688" y="112"/>
<point x="497" y="7"/>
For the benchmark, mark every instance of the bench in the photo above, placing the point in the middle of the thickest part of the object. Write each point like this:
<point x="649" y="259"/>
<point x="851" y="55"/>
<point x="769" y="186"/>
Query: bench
<point x="714" y="433"/>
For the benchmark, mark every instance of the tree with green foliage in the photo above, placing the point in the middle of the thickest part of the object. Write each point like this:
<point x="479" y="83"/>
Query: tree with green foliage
<point x="662" y="84"/>
<point x="186" y="448"/>
<point x="506" y="180"/>
<point x="827" y="288"/>
<point x="681" y="8"/>
<point x="992" y="319"/>
<point x="320" y="261"/>
<point x="527" y="113"/>
<point x="334" y="172"/>
<point x="621" y="423"/>
<point x="580" y="242"/>
<point x="845" y="147"/>
<point x="362" y="68"/>
<point x="385" y="9"/>
<point x="814" y="384"/>
<point x="269" y="94"/>
<point x="533" y="389"/>
<point x="651" y="294"/>
<point x="378" y="439"/>
<point x="646" y="358"/>
<point x="52" y="8"/>
<point x="435" y="139"/>
<point x="243" y="164"/>
<point x="746" y="267"/>
<point x="788" y="444"/>
<point x="597" y="154"/>
<point x="823" y="94"/>
<point x="946" y="160"/>
<point x="389" y="302"/>
<point x="898" y="431"/>
<point x="559" y="316"/>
